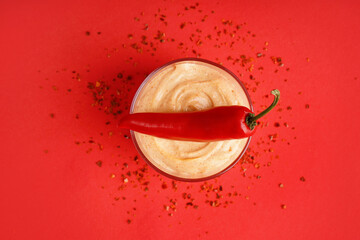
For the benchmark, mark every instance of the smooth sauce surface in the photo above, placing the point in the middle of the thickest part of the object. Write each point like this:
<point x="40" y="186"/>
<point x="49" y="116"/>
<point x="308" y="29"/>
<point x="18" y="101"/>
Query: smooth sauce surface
<point x="189" y="86"/>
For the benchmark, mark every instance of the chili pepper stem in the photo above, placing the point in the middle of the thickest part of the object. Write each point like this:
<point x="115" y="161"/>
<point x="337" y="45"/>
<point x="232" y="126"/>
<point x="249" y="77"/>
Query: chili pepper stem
<point x="251" y="118"/>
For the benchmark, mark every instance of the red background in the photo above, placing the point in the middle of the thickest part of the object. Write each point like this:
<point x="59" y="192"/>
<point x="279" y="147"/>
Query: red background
<point x="51" y="187"/>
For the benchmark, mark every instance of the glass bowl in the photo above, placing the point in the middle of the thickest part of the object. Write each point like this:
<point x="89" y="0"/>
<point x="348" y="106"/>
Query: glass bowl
<point x="149" y="78"/>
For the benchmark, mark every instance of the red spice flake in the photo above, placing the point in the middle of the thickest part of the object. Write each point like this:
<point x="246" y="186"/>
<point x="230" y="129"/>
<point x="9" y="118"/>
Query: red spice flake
<point x="277" y="124"/>
<point x="245" y="60"/>
<point x="119" y="75"/>
<point x="87" y="33"/>
<point x="251" y="68"/>
<point x="128" y="221"/>
<point x="289" y="108"/>
<point x="99" y="163"/>
<point x="184" y="195"/>
<point x="204" y="18"/>
<point x="226" y="22"/>
<point x="98" y="33"/>
<point x="307" y="106"/>
<point x="281" y="185"/>
<point x="164" y="185"/>
<point x="302" y="179"/>
<point x="52" y="115"/>
<point x="137" y="47"/>
<point x="259" y="55"/>
<point x="215" y="203"/>
<point x="46" y="151"/>
<point x="162" y="18"/>
<point x="308" y="59"/>
<point x="143" y="40"/>
<point x="277" y="61"/>
<point x="174" y="185"/>
<point x="112" y="175"/>
<point x="283" y="206"/>
<point x="160" y="36"/>
<point x="101" y="147"/>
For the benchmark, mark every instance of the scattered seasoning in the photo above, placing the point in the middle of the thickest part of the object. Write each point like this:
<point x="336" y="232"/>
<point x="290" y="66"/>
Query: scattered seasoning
<point x="302" y="179"/>
<point x="182" y="25"/>
<point x="87" y="33"/>
<point x="307" y="106"/>
<point x="52" y="115"/>
<point x="113" y="96"/>
<point x="283" y="206"/>
<point x="277" y="61"/>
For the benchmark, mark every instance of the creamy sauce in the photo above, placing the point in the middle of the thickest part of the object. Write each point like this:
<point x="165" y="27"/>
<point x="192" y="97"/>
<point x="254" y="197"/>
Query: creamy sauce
<point x="189" y="86"/>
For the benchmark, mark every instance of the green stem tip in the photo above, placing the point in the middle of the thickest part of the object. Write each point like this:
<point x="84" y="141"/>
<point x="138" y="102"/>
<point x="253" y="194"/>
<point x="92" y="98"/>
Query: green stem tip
<point x="251" y="118"/>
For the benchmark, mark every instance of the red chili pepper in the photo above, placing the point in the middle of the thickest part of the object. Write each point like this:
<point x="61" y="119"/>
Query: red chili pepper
<point x="215" y="124"/>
